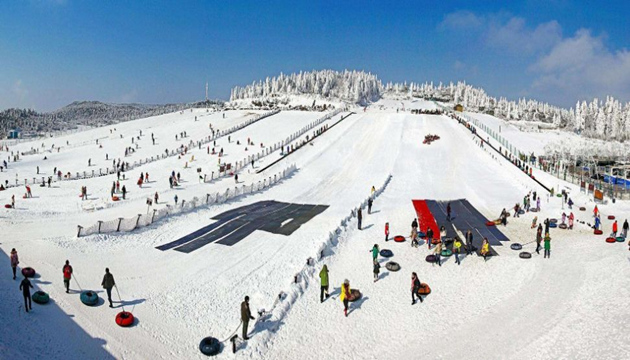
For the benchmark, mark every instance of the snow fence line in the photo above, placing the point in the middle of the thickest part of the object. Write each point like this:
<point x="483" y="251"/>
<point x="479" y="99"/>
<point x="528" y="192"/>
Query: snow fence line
<point x="142" y="220"/>
<point x="137" y="163"/>
<point x="302" y="279"/>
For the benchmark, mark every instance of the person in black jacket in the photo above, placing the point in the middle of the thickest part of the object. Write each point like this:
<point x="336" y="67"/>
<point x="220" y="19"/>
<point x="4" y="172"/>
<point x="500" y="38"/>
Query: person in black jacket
<point x="26" y="287"/>
<point x="246" y="315"/>
<point x="415" y="286"/>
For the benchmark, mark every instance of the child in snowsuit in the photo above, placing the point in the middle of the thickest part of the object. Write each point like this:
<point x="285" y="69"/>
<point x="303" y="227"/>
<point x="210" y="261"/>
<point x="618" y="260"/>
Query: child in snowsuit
<point x="374" y="252"/>
<point x="386" y="232"/>
<point x="377" y="269"/>
<point x="67" y="275"/>
<point x="485" y="249"/>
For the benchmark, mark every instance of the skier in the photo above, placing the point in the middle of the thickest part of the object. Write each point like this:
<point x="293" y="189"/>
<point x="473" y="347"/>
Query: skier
<point x="359" y="217"/>
<point x="625" y="228"/>
<point x="456" y="248"/>
<point x="438" y="253"/>
<point x="547" y="247"/>
<point x="323" y="275"/>
<point x="614" y="229"/>
<point x="374" y="251"/>
<point x="370" y="206"/>
<point x="377" y="269"/>
<point x="538" y="239"/>
<point x="415" y="287"/>
<point x="246" y="315"/>
<point x="345" y="295"/>
<point x="108" y="283"/>
<point x="387" y="231"/>
<point x="26" y="287"/>
<point x="485" y="249"/>
<point x="67" y="275"/>
<point x="14" y="261"/>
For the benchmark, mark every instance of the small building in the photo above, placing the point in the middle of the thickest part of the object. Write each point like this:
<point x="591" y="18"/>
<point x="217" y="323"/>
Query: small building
<point x="14" y="133"/>
<point x="459" y="107"/>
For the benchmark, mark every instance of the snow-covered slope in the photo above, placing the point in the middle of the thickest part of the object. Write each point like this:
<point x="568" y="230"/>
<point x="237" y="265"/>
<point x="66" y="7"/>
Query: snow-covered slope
<point x="569" y="306"/>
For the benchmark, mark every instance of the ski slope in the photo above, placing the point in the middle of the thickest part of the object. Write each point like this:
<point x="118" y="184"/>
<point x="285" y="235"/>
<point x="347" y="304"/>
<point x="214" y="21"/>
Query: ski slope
<point x="569" y="306"/>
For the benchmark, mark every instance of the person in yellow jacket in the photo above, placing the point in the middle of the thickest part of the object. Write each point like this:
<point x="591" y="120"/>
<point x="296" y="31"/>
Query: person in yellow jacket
<point x="485" y="249"/>
<point x="457" y="245"/>
<point x="345" y="295"/>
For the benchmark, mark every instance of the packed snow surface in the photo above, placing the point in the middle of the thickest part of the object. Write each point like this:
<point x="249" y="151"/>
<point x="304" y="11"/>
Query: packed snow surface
<point x="573" y="305"/>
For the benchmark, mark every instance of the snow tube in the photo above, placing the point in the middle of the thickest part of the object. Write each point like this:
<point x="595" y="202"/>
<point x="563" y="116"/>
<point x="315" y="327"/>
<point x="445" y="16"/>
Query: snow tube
<point x="521" y="212"/>
<point x="210" y="346"/>
<point x="553" y="225"/>
<point x="424" y="289"/>
<point x="392" y="266"/>
<point x="525" y="255"/>
<point x="582" y="208"/>
<point x="563" y="226"/>
<point x="611" y="240"/>
<point x="40" y="297"/>
<point x="125" y="319"/>
<point x="490" y="223"/>
<point x="422" y="235"/>
<point x="430" y="258"/>
<point x="115" y="198"/>
<point x="611" y="217"/>
<point x="386" y="253"/>
<point x="399" y="238"/>
<point x="620" y="239"/>
<point x="533" y="210"/>
<point x="446" y="252"/>
<point x="8" y="206"/>
<point x="516" y="246"/>
<point x="435" y="241"/>
<point x="558" y="195"/>
<point x="597" y="232"/>
<point x="354" y="295"/>
<point x="89" y="298"/>
<point x="28" y="272"/>
<point x="553" y="221"/>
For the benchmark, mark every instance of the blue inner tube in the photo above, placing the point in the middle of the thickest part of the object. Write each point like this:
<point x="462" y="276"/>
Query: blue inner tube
<point x="620" y="239"/>
<point x="516" y="246"/>
<point x="386" y="253"/>
<point x="422" y="235"/>
<point x="89" y="298"/>
<point x="553" y="225"/>
<point x="210" y="346"/>
<point x="553" y="221"/>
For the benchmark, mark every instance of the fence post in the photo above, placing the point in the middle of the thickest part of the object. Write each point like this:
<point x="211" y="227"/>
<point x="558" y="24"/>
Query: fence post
<point x="137" y="221"/>
<point x="183" y="202"/>
<point x="153" y="217"/>
<point x="99" y="226"/>
<point x="79" y="230"/>
<point x="119" y="221"/>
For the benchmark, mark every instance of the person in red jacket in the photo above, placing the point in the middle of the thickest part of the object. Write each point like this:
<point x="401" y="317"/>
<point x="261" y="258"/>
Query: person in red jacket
<point x="67" y="275"/>
<point x="615" y="229"/>
<point x="386" y="231"/>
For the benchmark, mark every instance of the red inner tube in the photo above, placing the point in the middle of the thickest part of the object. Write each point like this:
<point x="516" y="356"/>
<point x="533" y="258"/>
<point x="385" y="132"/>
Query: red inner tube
<point x="611" y="217"/>
<point x="124" y="319"/>
<point x="399" y="238"/>
<point x="611" y="240"/>
<point x="490" y="223"/>
<point x="598" y="232"/>
<point x="424" y="289"/>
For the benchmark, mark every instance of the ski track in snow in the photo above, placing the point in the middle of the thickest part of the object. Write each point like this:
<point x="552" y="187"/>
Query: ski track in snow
<point x="570" y="306"/>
